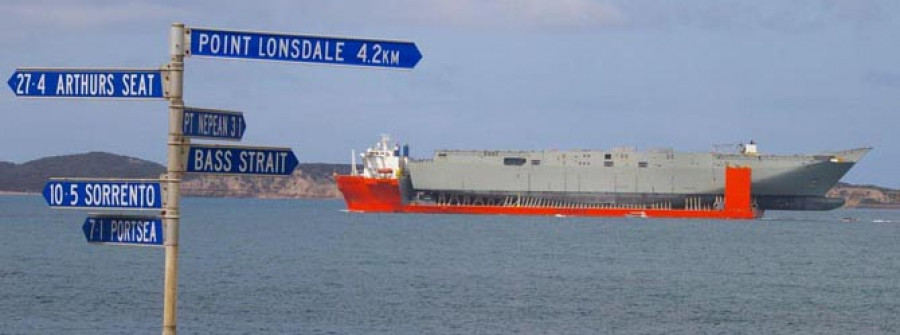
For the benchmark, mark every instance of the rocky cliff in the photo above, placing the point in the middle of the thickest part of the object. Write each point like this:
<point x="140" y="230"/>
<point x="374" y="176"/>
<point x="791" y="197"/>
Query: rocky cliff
<point x="866" y="196"/>
<point x="308" y="181"/>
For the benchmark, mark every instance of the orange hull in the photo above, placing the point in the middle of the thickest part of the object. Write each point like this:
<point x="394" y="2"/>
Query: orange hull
<point x="370" y="194"/>
<point x="383" y="196"/>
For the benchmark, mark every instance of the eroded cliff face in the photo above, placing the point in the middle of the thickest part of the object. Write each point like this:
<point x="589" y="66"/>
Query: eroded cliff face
<point x="298" y="185"/>
<point x="866" y="196"/>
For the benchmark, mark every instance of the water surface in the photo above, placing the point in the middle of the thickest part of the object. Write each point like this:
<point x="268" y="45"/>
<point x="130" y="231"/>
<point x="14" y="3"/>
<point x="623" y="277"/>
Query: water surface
<point x="304" y="266"/>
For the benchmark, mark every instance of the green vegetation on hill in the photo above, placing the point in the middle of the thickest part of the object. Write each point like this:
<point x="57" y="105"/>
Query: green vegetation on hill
<point x="31" y="176"/>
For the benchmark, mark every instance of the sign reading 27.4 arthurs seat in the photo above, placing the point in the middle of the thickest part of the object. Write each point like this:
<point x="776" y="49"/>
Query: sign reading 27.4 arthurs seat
<point x="87" y="83"/>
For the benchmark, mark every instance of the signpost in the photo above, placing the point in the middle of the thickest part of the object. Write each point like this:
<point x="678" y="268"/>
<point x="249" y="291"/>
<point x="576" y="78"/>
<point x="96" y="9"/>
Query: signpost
<point x="87" y="83"/>
<point x="123" y="229"/>
<point x="186" y="123"/>
<point x="213" y="124"/>
<point x="103" y="194"/>
<point x="302" y="48"/>
<point x="241" y="160"/>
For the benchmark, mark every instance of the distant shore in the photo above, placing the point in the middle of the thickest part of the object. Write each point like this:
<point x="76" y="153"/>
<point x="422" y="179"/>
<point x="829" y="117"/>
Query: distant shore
<point x="17" y="193"/>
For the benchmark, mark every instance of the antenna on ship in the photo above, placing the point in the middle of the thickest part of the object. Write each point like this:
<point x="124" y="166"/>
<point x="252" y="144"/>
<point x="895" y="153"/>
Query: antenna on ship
<point x="353" y="163"/>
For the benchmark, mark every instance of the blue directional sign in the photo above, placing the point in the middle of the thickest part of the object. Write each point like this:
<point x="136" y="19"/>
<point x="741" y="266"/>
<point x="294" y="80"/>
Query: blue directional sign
<point x="213" y="124"/>
<point x="122" y="229"/>
<point x="304" y="49"/>
<point x="241" y="160"/>
<point x="104" y="194"/>
<point x="87" y="83"/>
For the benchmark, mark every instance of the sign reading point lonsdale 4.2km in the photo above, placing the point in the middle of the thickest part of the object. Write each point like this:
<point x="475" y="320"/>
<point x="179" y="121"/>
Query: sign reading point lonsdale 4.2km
<point x="302" y="48"/>
<point x="87" y="83"/>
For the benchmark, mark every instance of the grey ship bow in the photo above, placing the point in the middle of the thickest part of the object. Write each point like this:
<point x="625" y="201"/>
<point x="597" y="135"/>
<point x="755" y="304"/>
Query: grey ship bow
<point x="804" y="188"/>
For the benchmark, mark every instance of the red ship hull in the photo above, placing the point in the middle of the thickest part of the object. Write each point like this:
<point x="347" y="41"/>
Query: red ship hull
<point x="375" y="195"/>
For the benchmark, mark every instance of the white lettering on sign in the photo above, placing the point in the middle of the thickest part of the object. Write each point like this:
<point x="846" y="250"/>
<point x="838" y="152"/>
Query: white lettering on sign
<point x="119" y="195"/>
<point x="212" y="160"/>
<point x="294" y="48"/>
<point x="141" y="231"/>
<point x="91" y="84"/>
<point x="213" y="124"/>
<point x="248" y="161"/>
<point x="188" y="121"/>
<point x="138" y="84"/>
<point x="271" y="46"/>
<point x="224" y="44"/>
<point x="263" y="162"/>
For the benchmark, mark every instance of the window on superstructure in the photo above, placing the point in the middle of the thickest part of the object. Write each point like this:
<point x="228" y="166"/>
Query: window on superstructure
<point x="607" y="156"/>
<point x="514" y="161"/>
<point x="608" y="164"/>
<point x="642" y="164"/>
<point x="535" y="162"/>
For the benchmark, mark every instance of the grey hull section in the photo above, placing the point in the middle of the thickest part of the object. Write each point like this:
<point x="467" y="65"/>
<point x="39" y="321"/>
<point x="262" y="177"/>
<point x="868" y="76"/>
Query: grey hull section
<point x="674" y="201"/>
<point x="659" y="178"/>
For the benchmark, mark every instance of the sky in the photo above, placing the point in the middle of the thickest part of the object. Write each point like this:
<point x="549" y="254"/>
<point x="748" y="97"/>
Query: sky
<point x="802" y="76"/>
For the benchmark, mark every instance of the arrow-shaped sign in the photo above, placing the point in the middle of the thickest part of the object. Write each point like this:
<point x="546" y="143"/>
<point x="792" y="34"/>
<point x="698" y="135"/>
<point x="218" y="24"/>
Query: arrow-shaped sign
<point x="301" y="48"/>
<point x="87" y="83"/>
<point x="241" y="160"/>
<point x="123" y="229"/>
<point x="104" y="194"/>
<point x="213" y="124"/>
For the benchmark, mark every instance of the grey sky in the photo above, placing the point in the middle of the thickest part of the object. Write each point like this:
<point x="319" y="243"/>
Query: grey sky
<point x="796" y="76"/>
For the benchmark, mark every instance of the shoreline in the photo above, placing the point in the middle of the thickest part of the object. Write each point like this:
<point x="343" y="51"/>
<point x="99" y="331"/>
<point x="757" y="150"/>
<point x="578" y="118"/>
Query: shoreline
<point x="18" y="193"/>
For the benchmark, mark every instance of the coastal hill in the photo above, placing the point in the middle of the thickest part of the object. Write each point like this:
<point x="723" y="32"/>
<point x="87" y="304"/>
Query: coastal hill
<point x="31" y="176"/>
<point x="310" y="180"/>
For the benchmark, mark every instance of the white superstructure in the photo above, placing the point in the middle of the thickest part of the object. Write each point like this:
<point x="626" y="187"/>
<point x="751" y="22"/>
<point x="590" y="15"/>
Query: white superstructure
<point x="383" y="160"/>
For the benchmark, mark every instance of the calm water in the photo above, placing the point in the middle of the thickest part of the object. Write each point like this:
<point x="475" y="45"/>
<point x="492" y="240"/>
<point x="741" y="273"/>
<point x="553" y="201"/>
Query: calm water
<point x="302" y="266"/>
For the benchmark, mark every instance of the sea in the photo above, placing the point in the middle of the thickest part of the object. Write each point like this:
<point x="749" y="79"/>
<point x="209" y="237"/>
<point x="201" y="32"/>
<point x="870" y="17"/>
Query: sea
<point x="251" y="266"/>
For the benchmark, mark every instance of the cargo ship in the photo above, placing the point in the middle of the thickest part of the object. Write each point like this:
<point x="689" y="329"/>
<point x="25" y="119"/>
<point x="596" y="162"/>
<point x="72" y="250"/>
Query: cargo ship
<point x="662" y="183"/>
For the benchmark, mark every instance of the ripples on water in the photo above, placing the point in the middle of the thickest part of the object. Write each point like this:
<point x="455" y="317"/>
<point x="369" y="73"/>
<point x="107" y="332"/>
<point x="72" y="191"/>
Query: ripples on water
<point x="305" y="266"/>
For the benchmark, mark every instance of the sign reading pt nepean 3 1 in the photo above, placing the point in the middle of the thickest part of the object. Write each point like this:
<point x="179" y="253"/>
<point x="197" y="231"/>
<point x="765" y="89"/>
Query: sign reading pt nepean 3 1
<point x="213" y="124"/>
<point x="242" y="160"/>
<point x="87" y="83"/>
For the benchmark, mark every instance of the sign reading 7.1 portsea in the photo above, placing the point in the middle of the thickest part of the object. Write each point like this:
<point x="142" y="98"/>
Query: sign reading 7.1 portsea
<point x="301" y="48"/>
<point x="104" y="194"/>
<point x="87" y="83"/>
<point x="123" y="229"/>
